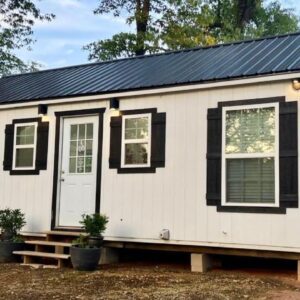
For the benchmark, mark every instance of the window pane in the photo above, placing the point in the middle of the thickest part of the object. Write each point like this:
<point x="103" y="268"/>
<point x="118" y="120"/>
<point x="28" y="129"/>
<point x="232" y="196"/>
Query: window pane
<point x="250" y="180"/>
<point x="136" y="128"/>
<point x="25" y="135"/>
<point x="136" y="154"/>
<point x="24" y="157"/>
<point x="250" y="130"/>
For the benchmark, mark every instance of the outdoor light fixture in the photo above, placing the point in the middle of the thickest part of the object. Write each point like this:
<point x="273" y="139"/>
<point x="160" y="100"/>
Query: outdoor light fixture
<point x="42" y="110"/>
<point x="296" y="84"/>
<point x="114" y="104"/>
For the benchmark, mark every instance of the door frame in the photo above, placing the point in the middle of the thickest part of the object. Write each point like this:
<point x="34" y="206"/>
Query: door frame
<point x="57" y="156"/>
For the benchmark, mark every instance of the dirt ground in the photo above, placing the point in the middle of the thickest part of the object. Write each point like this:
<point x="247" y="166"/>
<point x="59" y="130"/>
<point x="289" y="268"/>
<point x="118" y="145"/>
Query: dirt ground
<point x="144" y="281"/>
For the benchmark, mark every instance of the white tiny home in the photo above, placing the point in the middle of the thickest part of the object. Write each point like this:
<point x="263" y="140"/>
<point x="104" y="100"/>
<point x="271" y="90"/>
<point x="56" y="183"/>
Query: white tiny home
<point x="201" y="143"/>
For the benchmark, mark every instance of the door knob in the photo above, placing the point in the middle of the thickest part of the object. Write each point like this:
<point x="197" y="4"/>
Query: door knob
<point x="62" y="179"/>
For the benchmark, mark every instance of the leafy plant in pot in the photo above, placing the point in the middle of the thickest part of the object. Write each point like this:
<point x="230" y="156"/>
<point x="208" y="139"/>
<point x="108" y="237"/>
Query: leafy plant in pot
<point x="85" y="251"/>
<point x="11" y="222"/>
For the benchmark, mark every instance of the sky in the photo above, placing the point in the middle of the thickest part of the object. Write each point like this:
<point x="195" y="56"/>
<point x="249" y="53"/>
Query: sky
<point x="59" y="43"/>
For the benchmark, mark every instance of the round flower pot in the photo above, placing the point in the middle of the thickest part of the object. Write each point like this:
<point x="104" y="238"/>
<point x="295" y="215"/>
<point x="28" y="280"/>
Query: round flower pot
<point x="85" y="259"/>
<point x="95" y="241"/>
<point x="7" y="249"/>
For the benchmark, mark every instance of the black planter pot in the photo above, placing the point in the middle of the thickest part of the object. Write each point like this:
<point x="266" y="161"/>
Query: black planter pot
<point x="95" y="241"/>
<point x="85" y="259"/>
<point x="6" y="251"/>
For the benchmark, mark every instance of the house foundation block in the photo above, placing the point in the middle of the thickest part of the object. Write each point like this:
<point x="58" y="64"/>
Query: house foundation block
<point x="203" y="262"/>
<point x="109" y="256"/>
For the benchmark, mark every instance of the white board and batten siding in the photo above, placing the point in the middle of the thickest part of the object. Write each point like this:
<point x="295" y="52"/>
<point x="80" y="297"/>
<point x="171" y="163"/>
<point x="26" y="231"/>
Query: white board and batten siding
<point x="139" y="206"/>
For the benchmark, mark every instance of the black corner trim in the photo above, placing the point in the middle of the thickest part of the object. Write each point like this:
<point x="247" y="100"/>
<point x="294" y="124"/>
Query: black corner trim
<point x="59" y="114"/>
<point x="35" y="171"/>
<point x="251" y="101"/>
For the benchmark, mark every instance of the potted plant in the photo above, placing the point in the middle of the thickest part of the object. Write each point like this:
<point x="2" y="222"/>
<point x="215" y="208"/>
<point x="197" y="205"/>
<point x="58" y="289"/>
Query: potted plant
<point x="11" y="222"/>
<point x="85" y="251"/>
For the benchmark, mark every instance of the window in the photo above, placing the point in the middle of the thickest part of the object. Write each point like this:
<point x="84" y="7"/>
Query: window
<point x="81" y="148"/>
<point x="136" y="140"/>
<point x="25" y="146"/>
<point x="250" y="160"/>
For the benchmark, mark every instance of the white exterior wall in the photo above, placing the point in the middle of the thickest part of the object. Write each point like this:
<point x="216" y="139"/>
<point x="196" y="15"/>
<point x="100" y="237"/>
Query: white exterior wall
<point x="140" y="205"/>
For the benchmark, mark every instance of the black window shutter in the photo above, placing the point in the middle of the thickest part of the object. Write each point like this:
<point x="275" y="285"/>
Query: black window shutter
<point x="158" y="140"/>
<point x="115" y="142"/>
<point x="288" y="154"/>
<point x="8" y="148"/>
<point x="214" y="148"/>
<point x="42" y="145"/>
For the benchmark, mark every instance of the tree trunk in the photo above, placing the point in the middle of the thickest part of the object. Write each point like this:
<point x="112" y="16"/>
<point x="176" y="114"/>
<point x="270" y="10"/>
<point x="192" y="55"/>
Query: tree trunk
<point x="142" y="19"/>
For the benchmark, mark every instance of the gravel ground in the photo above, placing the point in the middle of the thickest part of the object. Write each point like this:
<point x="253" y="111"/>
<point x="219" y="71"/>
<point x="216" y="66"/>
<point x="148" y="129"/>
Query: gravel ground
<point x="142" y="281"/>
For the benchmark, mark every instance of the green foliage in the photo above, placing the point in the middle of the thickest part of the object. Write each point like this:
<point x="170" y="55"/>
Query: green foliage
<point x="11" y="222"/>
<point x="178" y="24"/>
<point x="94" y="224"/>
<point x="82" y="241"/>
<point x="17" y="20"/>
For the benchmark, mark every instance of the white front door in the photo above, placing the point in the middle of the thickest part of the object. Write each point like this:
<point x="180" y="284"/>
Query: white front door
<point x="78" y="170"/>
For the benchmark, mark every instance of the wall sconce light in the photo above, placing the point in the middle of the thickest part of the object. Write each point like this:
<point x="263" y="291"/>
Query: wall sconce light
<point x="42" y="110"/>
<point x="296" y="84"/>
<point x="114" y="104"/>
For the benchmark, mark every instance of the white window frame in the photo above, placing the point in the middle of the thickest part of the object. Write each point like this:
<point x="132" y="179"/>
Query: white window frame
<point x="35" y="124"/>
<point x="274" y="155"/>
<point x="136" y="141"/>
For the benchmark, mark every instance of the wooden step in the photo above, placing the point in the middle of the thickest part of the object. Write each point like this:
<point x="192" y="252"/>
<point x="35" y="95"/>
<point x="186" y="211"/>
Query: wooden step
<point x="49" y="243"/>
<point x="65" y="233"/>
<point x="30" y="257"/>
<point x="42" y="254"/>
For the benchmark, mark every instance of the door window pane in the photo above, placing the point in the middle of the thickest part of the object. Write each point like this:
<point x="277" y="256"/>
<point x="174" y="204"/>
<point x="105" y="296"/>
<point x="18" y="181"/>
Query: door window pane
<point x="82" y="131"/>
<point x="89" y="131"/>
<point x="81" y="148"/>
<point x="74" y="129"/>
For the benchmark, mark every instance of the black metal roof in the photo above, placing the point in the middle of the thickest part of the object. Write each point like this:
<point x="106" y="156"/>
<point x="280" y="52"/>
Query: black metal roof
<point x="265" y="56"/>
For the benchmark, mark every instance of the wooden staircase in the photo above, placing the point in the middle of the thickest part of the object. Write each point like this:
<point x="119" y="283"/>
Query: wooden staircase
<point x="52" y="252"/>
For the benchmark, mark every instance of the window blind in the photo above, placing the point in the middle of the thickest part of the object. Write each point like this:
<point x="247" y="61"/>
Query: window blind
<point x="250" y="180"/>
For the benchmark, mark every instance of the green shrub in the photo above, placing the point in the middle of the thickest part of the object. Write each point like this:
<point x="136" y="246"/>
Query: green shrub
<point x="11" y="222"/>
<point x="94" y="224"/>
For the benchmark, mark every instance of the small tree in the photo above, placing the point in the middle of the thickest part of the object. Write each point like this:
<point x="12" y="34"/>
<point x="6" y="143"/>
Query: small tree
<point x="94" y="224"/>
<point x="11" y="222"/>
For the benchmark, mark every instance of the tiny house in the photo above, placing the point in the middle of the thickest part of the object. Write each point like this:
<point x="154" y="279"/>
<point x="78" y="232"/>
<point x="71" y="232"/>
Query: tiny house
<point x="187" y="150"/>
